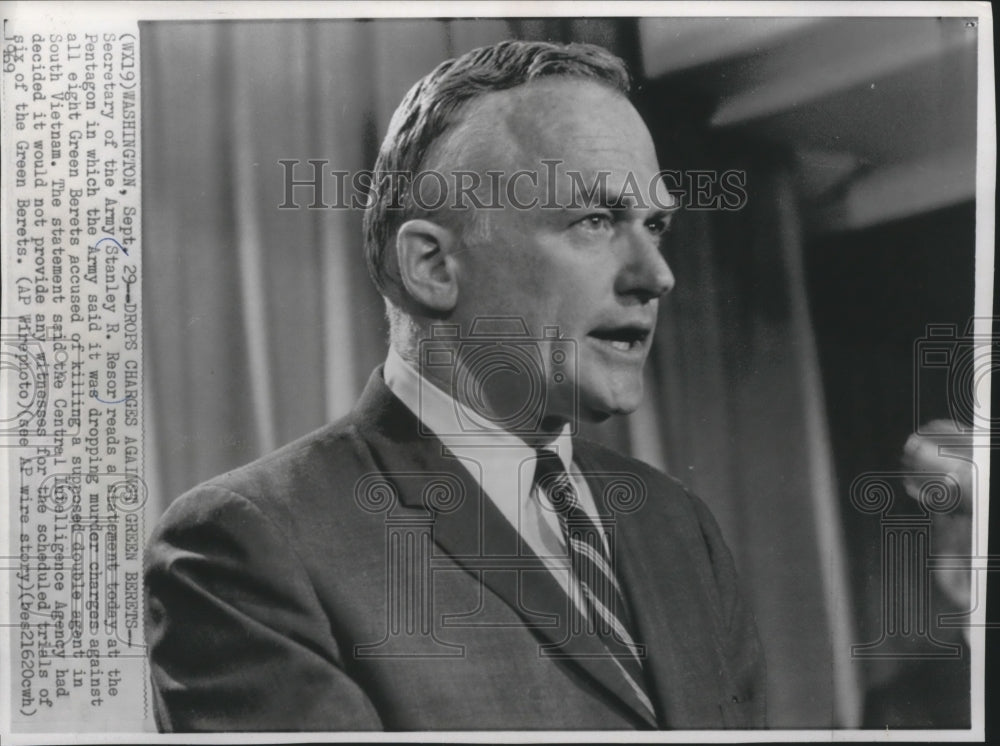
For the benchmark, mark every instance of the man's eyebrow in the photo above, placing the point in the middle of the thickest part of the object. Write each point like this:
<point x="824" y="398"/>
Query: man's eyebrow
<point x="667" y="216"/>
<point x="617" y="202"/>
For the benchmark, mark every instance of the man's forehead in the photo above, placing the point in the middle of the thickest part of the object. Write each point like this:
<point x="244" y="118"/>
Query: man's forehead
<point x="560" y="117"/>
<point x="581" y="124"/>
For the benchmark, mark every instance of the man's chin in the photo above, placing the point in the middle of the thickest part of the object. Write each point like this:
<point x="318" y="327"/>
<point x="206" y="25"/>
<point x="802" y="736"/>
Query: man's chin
<point x="599" y="409"/>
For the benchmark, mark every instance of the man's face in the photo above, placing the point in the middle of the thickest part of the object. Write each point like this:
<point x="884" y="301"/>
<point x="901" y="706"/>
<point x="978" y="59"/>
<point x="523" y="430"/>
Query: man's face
<point x="592" y="267"/>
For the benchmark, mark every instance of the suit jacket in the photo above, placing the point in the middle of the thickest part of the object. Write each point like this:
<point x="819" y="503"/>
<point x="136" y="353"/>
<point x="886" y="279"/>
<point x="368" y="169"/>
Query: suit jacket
<point x="356" y="579"/>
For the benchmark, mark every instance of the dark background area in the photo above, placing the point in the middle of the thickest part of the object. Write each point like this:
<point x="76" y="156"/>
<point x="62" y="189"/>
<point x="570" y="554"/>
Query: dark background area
<point x="871" y="312"/>
<point x="871" y="307"/>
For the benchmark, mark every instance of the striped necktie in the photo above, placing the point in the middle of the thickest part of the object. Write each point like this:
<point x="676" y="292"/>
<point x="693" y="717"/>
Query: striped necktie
<point x="593" y="570"/>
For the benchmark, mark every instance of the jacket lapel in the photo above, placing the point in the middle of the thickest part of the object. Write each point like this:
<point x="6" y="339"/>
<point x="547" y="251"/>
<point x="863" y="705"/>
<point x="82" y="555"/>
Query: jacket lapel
<point x="675" y="622"/>
<point x="474" y="534"/>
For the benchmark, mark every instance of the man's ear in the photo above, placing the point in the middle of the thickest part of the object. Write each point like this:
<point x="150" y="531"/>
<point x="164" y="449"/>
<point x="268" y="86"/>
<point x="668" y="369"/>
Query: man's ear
<point x="426" y="265"/>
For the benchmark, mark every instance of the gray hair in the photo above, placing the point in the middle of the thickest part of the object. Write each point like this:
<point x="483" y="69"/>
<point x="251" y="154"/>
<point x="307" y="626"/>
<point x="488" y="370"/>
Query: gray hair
<point x="433" y="105"/>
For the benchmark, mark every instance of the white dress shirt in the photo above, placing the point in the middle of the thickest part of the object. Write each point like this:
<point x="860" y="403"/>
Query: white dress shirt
<point x="502" y="464"/>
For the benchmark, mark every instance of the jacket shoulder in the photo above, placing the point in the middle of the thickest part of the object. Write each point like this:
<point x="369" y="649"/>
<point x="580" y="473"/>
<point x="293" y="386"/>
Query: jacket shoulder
<point x="278" y="482"/>
<point x="669" y="495"/>
<point x="601" y="459"/>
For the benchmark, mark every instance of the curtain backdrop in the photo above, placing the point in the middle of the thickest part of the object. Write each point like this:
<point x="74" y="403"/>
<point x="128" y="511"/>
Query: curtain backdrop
<point x="261" y="323"/>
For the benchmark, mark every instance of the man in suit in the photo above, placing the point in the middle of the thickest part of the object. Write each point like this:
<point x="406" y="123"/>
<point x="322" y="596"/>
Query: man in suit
<point x="449" y="556"/>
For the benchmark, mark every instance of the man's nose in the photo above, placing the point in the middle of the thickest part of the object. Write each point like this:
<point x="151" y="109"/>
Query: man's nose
<point x="645" y="273"/>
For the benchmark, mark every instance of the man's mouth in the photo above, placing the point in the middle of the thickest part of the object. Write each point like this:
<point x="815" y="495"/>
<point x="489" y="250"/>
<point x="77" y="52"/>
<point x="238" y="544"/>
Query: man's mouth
<point x="627" y="338"/>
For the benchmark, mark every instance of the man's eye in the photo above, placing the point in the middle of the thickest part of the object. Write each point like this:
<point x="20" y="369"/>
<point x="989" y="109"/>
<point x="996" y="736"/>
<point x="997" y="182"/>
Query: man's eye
<point x="658" y="227"/>
<point x="596" y="222"/>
